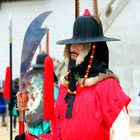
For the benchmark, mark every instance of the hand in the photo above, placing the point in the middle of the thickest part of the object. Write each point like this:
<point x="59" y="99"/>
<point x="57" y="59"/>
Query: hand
<point x="22" y="99"/>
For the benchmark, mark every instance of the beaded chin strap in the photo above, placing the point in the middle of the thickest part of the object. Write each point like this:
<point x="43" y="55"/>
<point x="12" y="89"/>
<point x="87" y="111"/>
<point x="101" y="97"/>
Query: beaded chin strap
<point x="86" y="75"/>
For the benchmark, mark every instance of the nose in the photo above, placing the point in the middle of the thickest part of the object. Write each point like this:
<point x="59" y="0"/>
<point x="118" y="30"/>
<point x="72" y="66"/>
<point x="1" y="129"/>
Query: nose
<point x="74" y="47"/>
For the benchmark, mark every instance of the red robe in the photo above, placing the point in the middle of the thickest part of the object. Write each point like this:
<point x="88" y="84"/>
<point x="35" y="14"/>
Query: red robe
<point x="95" y="109"/>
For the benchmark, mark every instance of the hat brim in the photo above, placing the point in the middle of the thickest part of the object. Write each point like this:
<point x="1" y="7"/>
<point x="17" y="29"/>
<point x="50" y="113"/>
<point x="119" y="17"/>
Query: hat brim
<point x="37" y="66"/>
<point x="89" y="40"/>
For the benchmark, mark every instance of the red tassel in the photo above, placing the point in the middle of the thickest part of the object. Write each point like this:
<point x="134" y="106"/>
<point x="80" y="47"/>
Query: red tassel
<point x="48" y="103"/>
<point x="6" y="92"/>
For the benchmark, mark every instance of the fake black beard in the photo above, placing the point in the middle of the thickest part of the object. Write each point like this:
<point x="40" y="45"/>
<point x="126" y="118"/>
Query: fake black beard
<point x="72" y="63"/>
<point x="69" y="98"/>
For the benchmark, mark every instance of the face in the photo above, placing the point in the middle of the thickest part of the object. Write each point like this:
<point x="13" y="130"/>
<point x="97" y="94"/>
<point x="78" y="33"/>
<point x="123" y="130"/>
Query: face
<point x="75" y="50"/>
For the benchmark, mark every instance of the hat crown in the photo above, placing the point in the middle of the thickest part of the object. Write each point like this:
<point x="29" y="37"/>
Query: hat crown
<point x="40" y="58"/>
<point x="86" y="27"/>
<point x="39" y="61"/>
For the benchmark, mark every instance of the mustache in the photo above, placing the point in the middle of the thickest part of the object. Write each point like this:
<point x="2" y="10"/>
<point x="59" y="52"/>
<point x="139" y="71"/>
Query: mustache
<point x="74" y="53"/>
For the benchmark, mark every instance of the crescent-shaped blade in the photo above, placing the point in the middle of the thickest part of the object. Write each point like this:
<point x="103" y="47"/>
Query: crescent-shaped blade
<point x="32" y="39"/>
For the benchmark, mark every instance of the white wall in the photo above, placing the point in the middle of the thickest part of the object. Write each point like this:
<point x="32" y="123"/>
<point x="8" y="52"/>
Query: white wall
<point x="124" y="55"/>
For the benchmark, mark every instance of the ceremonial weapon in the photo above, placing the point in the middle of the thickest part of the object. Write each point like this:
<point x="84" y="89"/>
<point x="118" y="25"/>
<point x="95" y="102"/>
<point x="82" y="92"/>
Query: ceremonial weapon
<point x="32" y="39"/>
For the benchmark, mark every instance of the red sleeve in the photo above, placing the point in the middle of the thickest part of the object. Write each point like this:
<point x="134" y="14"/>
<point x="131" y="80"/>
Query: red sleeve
<point x="55" y="124"/>
<point x="56" y="127"/>
<point x="112" y="99"/>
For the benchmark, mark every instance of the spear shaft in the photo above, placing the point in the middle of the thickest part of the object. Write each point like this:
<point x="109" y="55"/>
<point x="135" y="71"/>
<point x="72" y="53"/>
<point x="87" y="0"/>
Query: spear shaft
<point x="10" y="61"/>
<point x="95" y="10"/>
<point x="47" y="43"/>
<point x="77" y="8"/>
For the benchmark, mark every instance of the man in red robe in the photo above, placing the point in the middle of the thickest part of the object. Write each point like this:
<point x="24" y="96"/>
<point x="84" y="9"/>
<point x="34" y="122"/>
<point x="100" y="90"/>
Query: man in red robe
<point x="91" y="104"/>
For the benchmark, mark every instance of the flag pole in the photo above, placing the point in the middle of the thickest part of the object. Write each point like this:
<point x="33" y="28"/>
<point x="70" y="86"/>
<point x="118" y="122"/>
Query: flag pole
<point x="10" y="61"/>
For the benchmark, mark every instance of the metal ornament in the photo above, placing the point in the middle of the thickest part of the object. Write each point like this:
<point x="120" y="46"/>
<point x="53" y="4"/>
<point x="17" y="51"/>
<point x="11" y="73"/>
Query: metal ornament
<point x="34" y="82"/>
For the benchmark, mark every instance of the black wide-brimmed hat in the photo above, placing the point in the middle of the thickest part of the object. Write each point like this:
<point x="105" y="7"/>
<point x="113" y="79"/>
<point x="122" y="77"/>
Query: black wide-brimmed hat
<point x="40" y="61"/>
<point x="86" y="29"/>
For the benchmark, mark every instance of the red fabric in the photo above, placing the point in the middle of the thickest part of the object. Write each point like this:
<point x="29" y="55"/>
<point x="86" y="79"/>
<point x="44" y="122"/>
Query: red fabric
<point x="6" y="92"/>
<point x="95" y="109"/>
<point x="29" y="137"/>
<point x="112" y="104"/>
<point x="48" y="96"/>
<point x="21" y="128"/>
<point x="41" y="136"/>
<point x="45" y="136"/>
<point x="55" y="125"/>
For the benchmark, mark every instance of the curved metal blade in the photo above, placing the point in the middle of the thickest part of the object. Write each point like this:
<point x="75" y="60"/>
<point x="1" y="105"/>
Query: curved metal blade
<point x="32" y="39"/>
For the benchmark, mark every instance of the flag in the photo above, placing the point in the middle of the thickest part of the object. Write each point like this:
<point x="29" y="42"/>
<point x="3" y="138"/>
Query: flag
<point x="6" y="92"/>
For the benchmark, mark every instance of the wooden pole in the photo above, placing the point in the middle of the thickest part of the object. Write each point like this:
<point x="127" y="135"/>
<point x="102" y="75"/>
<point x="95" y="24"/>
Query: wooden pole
<point x="47" y="43"/>
<point x="40" y="49"/>
<point x="95" y="10"/>
<point x="77" y="8"/>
